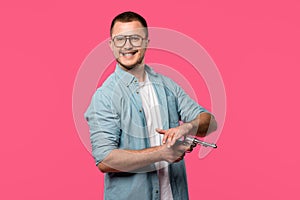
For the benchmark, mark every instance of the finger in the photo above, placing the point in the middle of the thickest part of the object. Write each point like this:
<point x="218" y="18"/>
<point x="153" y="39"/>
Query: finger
<point x="175" y="137"/>
<point x="186" y="148"/>
<point x="170" y="139"/>
<point x="190" y="149"/>
<point x="166" y="138"/>
<point x="164" y="132"/>
<point x="160" y="131"/>
<point x="180" y="158"/>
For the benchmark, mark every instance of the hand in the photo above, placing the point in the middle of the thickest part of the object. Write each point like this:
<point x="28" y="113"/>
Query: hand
<point x="175" y="153"/>
<point x="173" y="134"/>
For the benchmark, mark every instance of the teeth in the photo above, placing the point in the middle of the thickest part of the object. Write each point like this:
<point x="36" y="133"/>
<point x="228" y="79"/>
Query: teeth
<point x="127" y="54"/>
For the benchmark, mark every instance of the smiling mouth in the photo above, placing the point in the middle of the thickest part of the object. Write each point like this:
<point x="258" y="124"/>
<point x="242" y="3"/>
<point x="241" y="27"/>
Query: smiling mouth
<point x="128" y="54"/>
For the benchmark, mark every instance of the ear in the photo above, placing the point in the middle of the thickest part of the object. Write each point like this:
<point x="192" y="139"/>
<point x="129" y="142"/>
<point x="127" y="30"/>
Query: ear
<point x="111" y="43"/>
<point x="147" y="42"/>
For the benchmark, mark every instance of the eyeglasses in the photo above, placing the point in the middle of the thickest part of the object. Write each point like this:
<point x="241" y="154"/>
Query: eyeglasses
<point x="135" y="40"/>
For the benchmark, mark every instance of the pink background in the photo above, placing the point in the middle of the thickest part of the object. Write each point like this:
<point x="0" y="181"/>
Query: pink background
<point x="255" y="46"/>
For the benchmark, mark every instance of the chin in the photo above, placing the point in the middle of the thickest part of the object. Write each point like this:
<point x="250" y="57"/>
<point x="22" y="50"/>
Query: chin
<point x="128" y="65"/>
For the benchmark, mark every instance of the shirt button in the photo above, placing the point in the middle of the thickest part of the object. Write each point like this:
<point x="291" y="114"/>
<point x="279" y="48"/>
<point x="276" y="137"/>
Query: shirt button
<point x="135" y="81"/>
<point x="156" y="191"/>
<point x="140" y="110"/>
<point x="137" y="92"/>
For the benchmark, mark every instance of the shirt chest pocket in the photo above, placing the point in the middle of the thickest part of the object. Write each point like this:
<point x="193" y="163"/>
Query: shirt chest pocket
<point x="173" y="110"/>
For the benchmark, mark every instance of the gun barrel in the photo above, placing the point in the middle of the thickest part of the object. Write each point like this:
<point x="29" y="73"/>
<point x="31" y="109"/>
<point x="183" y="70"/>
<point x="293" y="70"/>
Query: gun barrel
<point x="205" y="144"/>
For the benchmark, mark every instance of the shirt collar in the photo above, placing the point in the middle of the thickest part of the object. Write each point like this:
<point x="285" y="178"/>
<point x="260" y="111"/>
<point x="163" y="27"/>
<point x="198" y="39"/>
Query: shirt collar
<point x="150" y="71"/>
<point x="124" y="76"/>
<point x="128" y="78"/>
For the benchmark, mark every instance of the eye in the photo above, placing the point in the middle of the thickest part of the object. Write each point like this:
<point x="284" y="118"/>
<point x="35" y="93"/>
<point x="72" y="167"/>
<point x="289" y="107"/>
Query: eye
<point x="135" y="38"/>
<point x="119" y="38"/>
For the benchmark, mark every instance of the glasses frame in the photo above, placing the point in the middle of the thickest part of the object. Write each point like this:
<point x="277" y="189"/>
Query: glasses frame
<point x="128" y="37"/>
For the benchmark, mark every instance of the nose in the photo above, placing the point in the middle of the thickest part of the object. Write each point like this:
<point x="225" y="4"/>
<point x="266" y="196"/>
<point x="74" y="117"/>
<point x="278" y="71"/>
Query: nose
<point x="127" y="44"/>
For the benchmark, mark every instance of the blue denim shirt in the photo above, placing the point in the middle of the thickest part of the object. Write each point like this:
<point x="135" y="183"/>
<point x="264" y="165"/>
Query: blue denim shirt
<point x="116" y="120"/>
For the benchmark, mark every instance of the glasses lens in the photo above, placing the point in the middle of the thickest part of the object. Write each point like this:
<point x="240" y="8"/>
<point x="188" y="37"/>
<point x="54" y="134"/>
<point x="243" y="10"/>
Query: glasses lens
<point x="136" y="40"/>
<point x="119" y="41"/>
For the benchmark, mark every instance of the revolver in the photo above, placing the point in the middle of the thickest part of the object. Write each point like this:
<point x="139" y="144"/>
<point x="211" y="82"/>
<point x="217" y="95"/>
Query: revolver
<point x="189" y="140"/>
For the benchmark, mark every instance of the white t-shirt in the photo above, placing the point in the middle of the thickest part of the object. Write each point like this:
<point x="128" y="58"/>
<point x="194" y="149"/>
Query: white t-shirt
<point x="153" y="119"/>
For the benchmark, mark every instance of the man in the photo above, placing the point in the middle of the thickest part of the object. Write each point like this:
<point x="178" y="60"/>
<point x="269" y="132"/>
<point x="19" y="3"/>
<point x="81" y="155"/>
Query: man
<point x="134" y="122"/>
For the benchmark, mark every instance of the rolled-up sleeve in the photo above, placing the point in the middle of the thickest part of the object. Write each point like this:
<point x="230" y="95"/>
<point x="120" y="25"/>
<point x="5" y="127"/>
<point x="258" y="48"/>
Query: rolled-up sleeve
<point x="104" y="124"/>
<point x="188" y="109"/>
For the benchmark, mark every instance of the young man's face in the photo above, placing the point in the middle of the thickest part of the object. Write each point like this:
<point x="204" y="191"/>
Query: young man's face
<point x="131" y="54"/>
